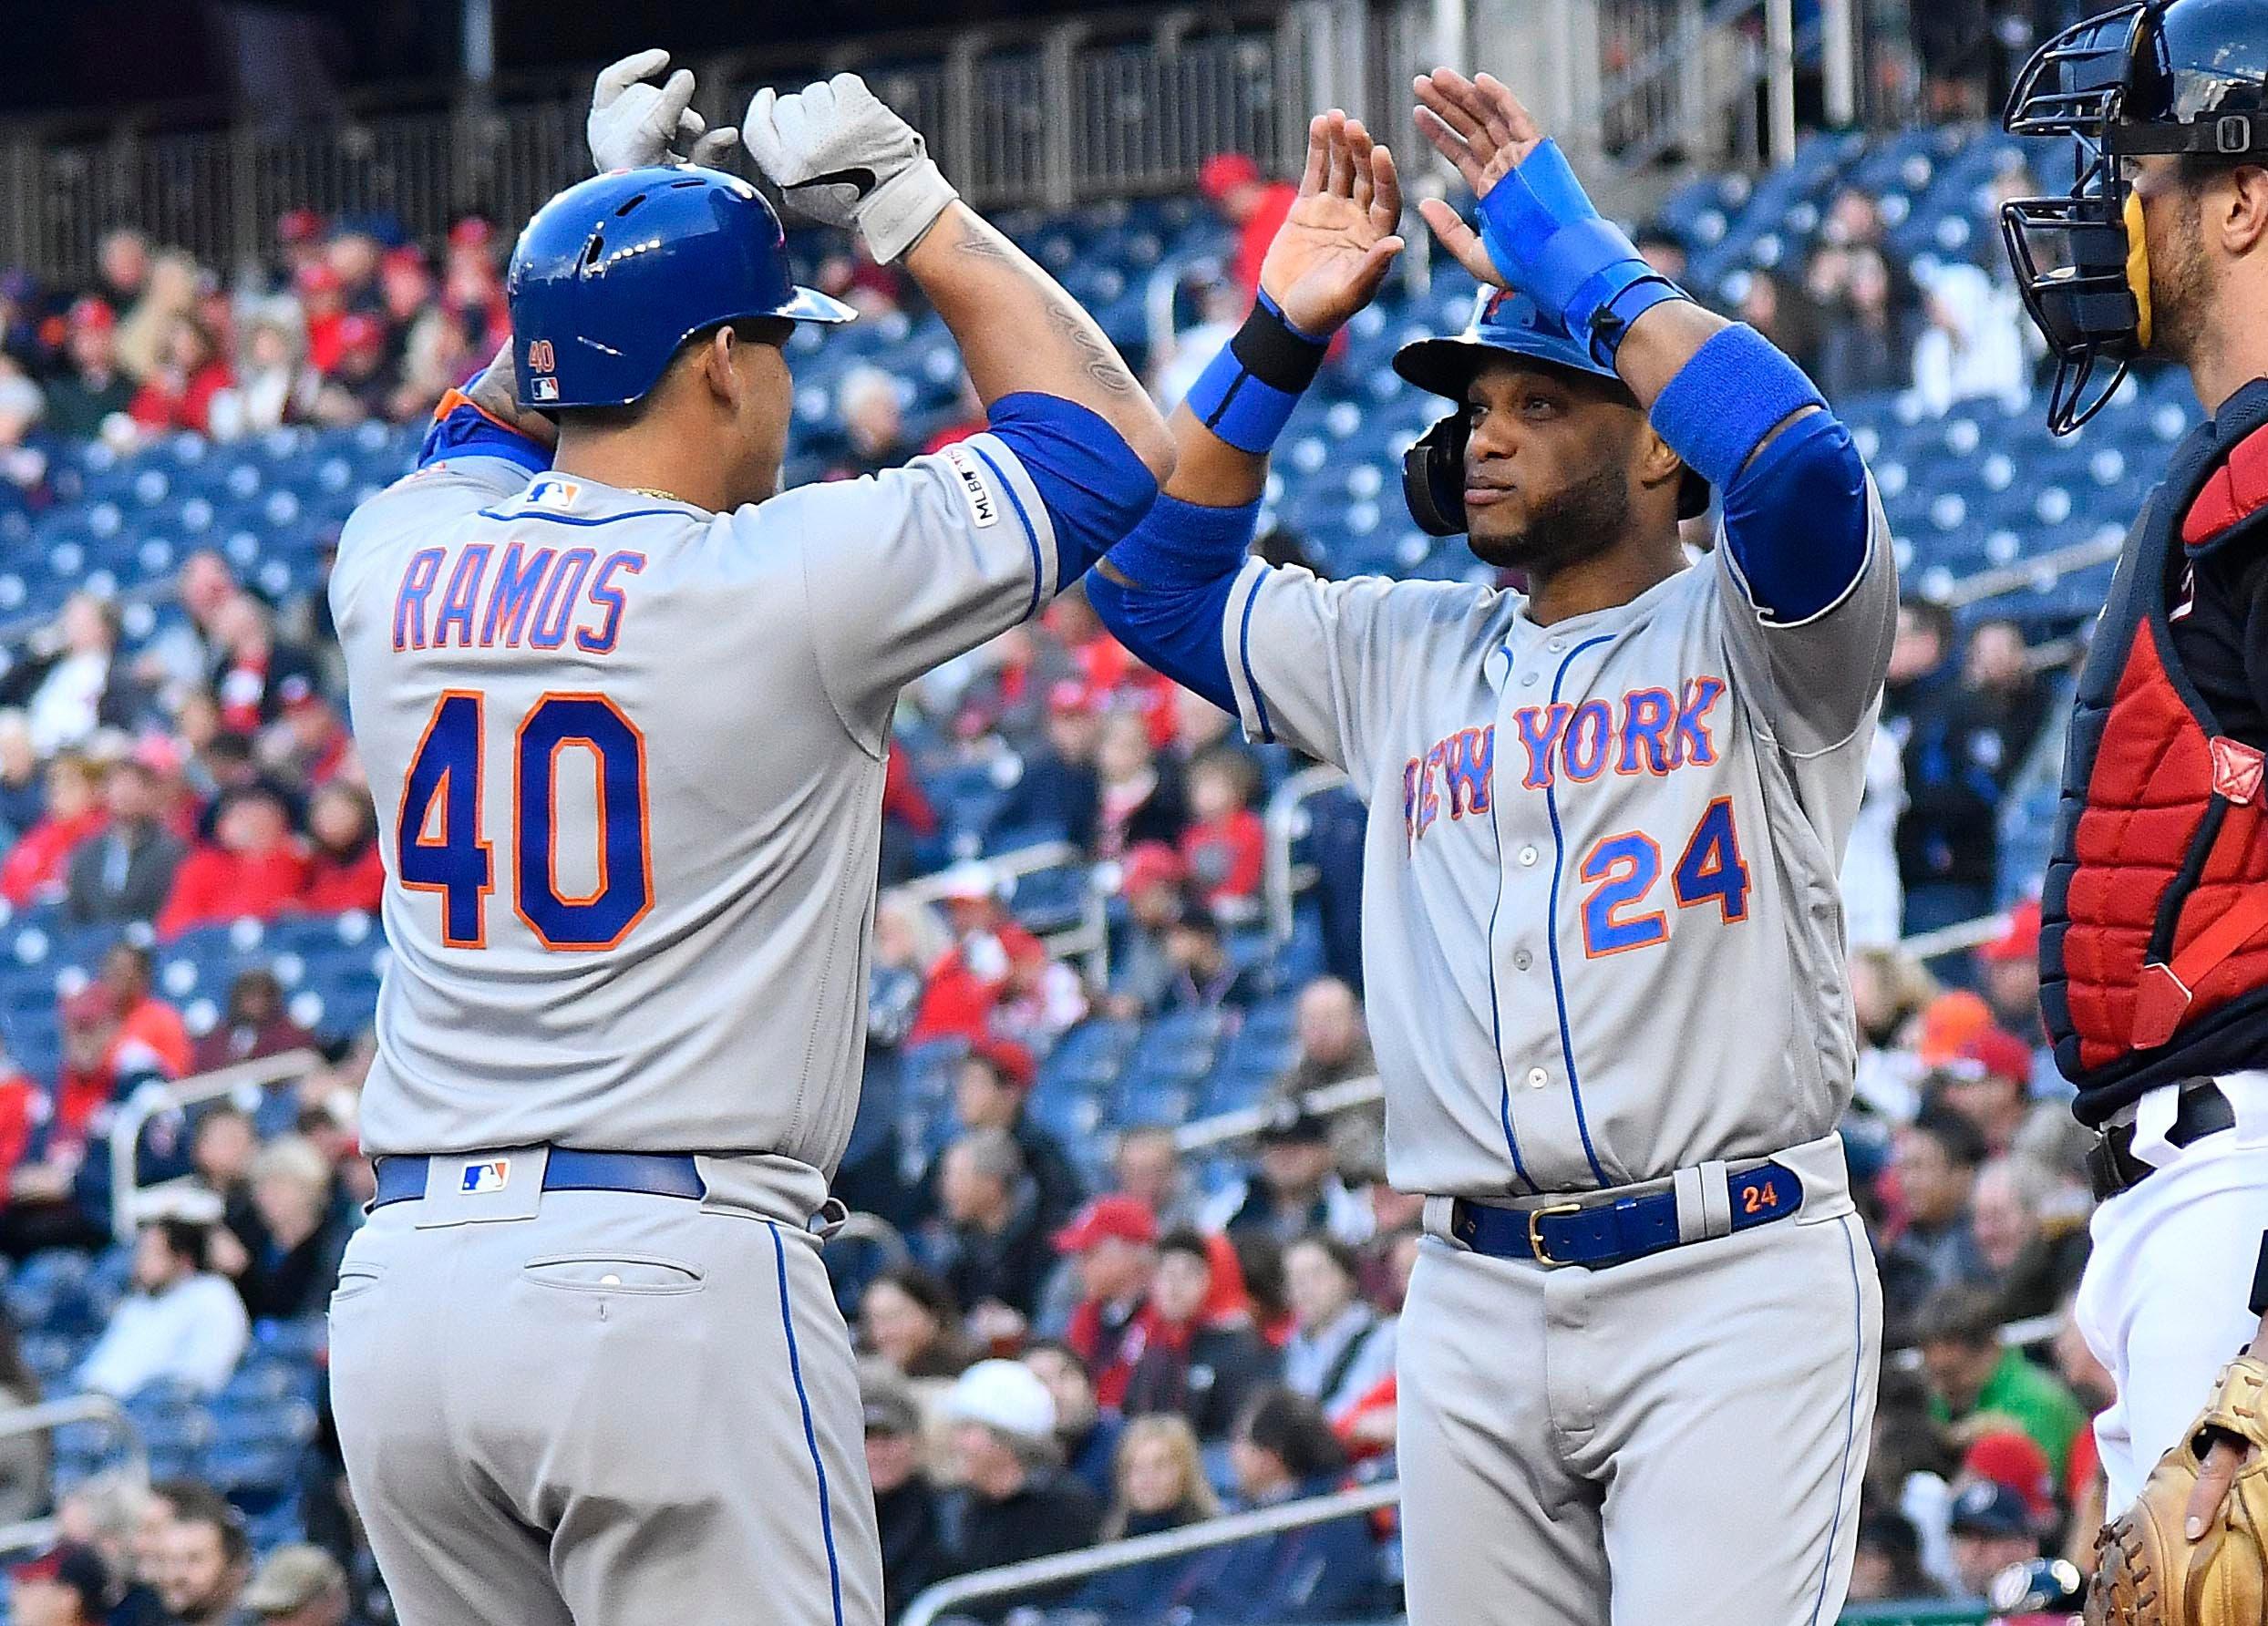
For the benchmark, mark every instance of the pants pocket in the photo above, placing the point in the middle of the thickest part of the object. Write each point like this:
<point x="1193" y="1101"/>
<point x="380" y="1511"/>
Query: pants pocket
<point x="612" y="1273"/>
<point x="356" y="1278"/>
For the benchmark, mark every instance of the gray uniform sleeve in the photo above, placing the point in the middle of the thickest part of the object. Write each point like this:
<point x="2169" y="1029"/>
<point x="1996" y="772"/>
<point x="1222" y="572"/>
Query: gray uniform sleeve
<point x="907" y="568"/>
<point x="1818" y="677"/>
<point x="1317" y="665"/>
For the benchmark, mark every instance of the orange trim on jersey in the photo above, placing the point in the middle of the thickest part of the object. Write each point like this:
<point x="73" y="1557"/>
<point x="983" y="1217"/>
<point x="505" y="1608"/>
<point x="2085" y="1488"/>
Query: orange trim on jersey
<point x="458" y="397"/>
<point x="645" y="828"/>
<point x="1657" y="919"/>
<point x="441" y="788"/>
<point x="551" y="850"/>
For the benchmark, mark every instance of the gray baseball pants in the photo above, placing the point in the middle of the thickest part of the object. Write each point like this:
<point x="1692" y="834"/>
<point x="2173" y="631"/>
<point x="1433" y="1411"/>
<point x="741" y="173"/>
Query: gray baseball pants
<point x="620" y="1410"/>
<point x="1678" y="1439"/>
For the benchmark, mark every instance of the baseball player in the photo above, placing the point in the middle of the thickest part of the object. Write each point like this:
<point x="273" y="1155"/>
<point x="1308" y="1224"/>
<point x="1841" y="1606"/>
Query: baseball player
<point x="1600" y="925"/>
<point x="624" y="707"/>
<point x="2154" y="942"/>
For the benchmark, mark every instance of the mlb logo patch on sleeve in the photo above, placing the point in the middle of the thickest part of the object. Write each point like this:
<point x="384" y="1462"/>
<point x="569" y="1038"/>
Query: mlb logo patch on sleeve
<point x="983" y="507"/>
<point x="490" y="1175"/>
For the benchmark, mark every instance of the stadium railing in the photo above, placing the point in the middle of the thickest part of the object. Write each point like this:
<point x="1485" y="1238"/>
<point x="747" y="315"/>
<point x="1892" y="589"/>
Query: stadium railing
<point x="1108" y="104"/>
<point x="34" y="1535"/>
<point x="941" y="1599"/>
<point x="129" y="1202"/>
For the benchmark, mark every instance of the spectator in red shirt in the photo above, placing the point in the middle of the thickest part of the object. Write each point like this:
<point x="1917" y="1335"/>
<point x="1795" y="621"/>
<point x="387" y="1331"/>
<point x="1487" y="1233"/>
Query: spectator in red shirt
<point x="179" y="393"/>
<point x="1255" y="206"/>
<point x="343" y="870"/>
<point x="34" y="869"/>
<point x="149" y="1036"/>
<point x="323" y="299"/>
<point x="1114" y="1241"/>
<point x="253" y="867"/>
<point x="1226" y="845"/>
<point x="965" y="985"/>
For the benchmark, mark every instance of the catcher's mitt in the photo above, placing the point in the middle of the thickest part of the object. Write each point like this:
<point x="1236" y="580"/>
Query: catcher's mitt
<point x="2147" y="1573"/>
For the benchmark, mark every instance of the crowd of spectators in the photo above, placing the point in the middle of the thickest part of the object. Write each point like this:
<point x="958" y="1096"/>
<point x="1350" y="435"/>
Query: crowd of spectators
<point x="1069" y="1345"/>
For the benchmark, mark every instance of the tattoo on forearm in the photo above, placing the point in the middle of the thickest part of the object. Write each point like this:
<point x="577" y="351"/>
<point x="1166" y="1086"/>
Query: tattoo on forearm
<point x="1100" y="361"/>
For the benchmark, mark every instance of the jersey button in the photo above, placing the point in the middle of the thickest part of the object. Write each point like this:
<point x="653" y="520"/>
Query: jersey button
<point x="1528" y="682"/>
<point x="1523" y="960"/>
<point x="1557" y="644"/>
<point x="1538" y="1078"/>
<point x="1528" y="857"/>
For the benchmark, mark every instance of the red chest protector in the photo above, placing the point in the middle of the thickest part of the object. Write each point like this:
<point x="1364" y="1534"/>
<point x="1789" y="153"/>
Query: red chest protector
<point x="2155" y="906"/>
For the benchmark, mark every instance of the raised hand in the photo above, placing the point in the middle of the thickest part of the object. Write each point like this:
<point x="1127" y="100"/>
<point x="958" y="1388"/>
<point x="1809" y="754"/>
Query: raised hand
<point x="1337" y="242"/>
<point x="1481" y="126"/>
<point x="635" y="122"/>
<point x="842" y="156"/>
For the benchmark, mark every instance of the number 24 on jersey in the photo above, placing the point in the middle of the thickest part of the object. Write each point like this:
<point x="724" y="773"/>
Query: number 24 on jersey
<point x="441" y="846"/>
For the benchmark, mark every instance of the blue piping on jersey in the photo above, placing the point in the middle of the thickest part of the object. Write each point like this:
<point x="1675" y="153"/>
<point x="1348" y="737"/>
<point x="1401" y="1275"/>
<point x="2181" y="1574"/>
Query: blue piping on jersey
<point x="498" y="514"/>
<point x="1851" y="1415"/>
<point x="1244" y="654"/>
<point x="811" y="1435"/>
<point x="1495" y="1018"/>
<point x="1559" y="862"/>
<point x="1031" y="536"/>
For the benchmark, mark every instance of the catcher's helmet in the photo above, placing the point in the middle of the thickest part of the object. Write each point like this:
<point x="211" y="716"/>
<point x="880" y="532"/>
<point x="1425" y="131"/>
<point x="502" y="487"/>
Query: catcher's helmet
<point x="617" y="272"/>
<point x="2165" y="77"/>
<point x="1505" y="322"/>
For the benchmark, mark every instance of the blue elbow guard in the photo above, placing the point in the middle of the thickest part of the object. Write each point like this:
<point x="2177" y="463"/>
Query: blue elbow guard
<point x="1795" y="521"/>
<point x="1184" y="560"/>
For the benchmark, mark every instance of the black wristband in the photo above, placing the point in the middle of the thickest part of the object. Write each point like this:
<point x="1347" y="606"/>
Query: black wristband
<point x="2259" y="1301"/>
<point x="1275" y="352"/>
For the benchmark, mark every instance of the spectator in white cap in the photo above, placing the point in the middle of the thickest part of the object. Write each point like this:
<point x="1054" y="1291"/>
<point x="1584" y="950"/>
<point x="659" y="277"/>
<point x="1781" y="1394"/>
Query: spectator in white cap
<point x="1015" y="1500"/>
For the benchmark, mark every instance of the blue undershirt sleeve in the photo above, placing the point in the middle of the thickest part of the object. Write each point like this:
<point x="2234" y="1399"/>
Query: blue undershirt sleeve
<point x="1182" y="561"/>
<point x="1094" y="487"/>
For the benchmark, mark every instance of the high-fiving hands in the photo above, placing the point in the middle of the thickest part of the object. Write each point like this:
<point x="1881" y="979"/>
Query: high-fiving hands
<point x="635" y="122"/>
<point x="1338" y="241"/>
<point x="1485" y="132"/>
<point x="841" y="155"/>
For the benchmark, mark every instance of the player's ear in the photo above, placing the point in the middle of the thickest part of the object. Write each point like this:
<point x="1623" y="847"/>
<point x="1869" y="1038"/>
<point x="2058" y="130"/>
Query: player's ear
<point x="2243" y="217"/>
<point x="1658" y="464"/>
<point x="720" y="371"/>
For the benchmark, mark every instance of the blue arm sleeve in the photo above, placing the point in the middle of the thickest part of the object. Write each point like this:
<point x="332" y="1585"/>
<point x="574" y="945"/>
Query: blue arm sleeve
<point x="461" y="429"/>
<point x="1183" y="559"/>
<point x="1795" y="521"/>
<point x="1094" y="487"/>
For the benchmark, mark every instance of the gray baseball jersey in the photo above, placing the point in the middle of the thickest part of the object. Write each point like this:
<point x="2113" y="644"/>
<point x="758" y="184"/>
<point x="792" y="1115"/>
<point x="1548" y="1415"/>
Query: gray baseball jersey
<point x="1601" y="930"/>
<point x="628" y="760"/>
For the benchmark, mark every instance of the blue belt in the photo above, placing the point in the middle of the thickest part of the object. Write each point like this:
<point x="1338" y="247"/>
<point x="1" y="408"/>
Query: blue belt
<point x="655" y="1174"/>
<point x="1615" y="1232"/>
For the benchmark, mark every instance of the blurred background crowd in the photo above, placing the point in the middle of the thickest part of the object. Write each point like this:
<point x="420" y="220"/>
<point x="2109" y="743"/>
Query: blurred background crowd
<point x="1125" y="1258"/>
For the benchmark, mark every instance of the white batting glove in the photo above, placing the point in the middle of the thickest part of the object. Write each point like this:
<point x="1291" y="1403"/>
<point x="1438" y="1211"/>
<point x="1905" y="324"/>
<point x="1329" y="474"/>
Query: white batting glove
<point x="635" y="122"/>
<point x="842" y="158"/>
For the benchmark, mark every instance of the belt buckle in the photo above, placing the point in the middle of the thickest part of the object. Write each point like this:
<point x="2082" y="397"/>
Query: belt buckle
<point x="1536" y="1217"/>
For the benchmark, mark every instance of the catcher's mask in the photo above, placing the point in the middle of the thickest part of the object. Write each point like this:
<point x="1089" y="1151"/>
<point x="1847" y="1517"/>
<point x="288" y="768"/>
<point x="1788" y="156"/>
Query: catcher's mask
<point x="2179" y="78"/>
<point x="1505" y="322"/>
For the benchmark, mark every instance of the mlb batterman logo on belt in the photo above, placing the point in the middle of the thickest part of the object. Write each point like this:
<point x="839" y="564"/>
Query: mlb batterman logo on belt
<point x="489" y="1176"/>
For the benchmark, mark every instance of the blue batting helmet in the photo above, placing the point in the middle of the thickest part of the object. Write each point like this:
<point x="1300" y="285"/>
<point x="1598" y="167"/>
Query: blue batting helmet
<point x="1505" y="322"/>
<point x="617" y="272"/>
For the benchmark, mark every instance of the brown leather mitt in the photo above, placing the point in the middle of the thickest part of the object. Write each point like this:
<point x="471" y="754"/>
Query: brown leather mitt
<point x="2147" y="1573"/>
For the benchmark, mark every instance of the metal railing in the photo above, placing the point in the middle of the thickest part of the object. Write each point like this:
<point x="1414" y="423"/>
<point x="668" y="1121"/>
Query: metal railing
<point x="1098" y="107"/>
<point x="945" y="1596"/>
<point x="1285" y="821"/>
<point x="129" y="1200"/>
<point x="32" y="1535"/>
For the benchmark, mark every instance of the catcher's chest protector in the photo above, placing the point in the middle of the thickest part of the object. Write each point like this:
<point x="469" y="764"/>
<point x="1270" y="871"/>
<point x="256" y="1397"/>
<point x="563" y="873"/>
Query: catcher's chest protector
<point x="2156" y="900"/>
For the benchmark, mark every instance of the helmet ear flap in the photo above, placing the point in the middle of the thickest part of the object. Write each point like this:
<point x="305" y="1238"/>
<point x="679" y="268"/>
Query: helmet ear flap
<point x="1433" y="476"/>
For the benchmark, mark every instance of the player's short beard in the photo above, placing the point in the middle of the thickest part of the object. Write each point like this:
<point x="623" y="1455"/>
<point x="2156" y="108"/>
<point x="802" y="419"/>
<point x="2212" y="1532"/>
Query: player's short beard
<point x="2180" y="281"/>
<point x="1583" y="519"/>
